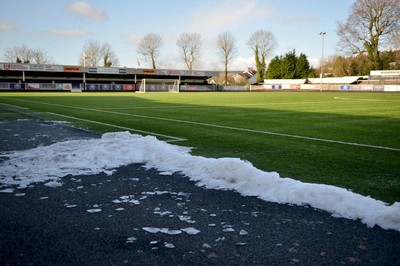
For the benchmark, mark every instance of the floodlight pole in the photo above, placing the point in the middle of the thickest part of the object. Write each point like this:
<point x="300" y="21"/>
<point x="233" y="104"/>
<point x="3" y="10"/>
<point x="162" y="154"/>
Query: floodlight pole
<point x="84" y="70"/>
<point x="322" y="57"/>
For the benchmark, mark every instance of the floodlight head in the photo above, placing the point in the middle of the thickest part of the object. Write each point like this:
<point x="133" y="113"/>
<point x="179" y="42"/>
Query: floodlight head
<point x="322" y="33"/>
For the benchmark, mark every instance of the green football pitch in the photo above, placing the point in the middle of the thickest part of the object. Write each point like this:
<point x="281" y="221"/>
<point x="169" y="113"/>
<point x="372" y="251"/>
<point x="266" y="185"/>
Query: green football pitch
<point x="350" y="140"/>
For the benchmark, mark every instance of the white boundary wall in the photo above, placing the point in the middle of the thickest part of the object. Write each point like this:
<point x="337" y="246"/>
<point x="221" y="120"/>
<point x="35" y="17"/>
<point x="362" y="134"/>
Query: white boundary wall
<point x="327" y="87"/>
<point x="366" y="87"/>
<point x="392" y="87"/>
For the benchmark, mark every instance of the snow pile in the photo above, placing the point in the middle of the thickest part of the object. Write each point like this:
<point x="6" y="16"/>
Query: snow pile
<point x="85" y="157"/>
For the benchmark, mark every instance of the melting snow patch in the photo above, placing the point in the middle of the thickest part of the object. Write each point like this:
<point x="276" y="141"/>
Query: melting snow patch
<point x="152" y="230"/>
<point x="229" y="229"/>
<point x="190" y="231"/>
<point x="186" y="219"/>
<point x="53" y="184"/>
<point x="93" y="210"/>
<point x="158" y="211"/>
<point x="170" y="232"/>
<point x="130" y="239"/>
<point x="48" y="164"/>
<point x="169" y="245"/>
<point x="7" y="190"/>
<point x="126" y="199"/>
<point x="243" y="232"/>
<point x="166" y="173"/>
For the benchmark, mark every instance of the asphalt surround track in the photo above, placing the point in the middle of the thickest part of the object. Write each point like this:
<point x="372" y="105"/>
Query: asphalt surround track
<point x="41" y="225"/>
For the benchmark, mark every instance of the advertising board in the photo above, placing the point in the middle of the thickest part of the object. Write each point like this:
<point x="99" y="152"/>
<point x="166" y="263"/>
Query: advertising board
<point x="32" y="67"/>
<point x="14" y="67"/>
<point x="72" y="69"/>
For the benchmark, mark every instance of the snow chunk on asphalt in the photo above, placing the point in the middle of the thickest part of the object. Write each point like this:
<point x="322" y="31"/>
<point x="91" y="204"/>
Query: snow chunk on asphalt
<point x="152" y="230"/>
<point x="93" y="210"/>
<point x="190" y="231"/>
<point x="93" y="156"/>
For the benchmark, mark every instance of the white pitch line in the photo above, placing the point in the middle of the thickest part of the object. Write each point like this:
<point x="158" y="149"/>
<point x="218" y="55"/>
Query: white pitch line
<point x="362" y="99"/>
<point x="172" y="138"/>
<point x="149" y="107"/>
<point x="14" y="106"/>
<point x="226" y="127"/>
<point x="268" y="132"/>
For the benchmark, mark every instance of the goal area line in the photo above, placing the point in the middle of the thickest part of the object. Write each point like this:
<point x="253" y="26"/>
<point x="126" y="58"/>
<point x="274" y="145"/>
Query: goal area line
<point x="26" y="112"/>
<point x="169" y="138"/>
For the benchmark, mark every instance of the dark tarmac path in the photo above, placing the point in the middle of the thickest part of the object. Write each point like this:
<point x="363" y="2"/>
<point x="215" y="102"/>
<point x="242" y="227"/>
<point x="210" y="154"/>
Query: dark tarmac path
<point x="143" y="217"/>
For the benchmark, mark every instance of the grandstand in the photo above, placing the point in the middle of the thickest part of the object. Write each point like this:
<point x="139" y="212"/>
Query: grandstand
<point x="44" y="77"/>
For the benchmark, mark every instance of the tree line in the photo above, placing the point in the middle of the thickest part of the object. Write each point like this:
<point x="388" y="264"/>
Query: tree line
<point x="27" y="55"/>
<point x="189" y="45"/>
<point x="359" y="65"/>
<point x="289" y="66"/>
<point x="371" y="28"/>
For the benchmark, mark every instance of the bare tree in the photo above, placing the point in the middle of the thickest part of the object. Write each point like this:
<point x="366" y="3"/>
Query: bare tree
<point x="262" y="42"/>
<point x="40" y="57"/>
<point x="109" y="56"/>
<point x="189" y="45"/>
<point x="369" y="27"/>
<point x="226" y="42"/>
<point x="395" y="41"/>
<point x="12" y="55"/>
<point x="97" y="54"/>
<point x="91" y="53"/>
<point x="24" y="54"/>
<point x="149" y="47"/>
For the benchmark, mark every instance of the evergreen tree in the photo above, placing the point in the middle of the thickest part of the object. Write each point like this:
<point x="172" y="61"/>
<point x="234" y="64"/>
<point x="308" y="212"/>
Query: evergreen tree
<point x="274" y="68"/>
<point x="259" y="74"/>
<point x="263" y="67"/>
<point x="388" y="58"/>
<point x="289" y="65"/>
<point x="107" y="61"/>
<point x="302" y="67"/>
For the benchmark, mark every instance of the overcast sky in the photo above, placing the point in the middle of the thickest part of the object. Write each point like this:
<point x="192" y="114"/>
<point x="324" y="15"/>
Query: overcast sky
<point x="61" y="28"/>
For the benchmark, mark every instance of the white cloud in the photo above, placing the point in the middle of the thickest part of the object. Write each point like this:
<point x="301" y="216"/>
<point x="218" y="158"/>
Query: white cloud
<point x="213" y="62"/>
<point x="223" y="15"/>
<point x="67" y="33"/>
<point x="298" y="19"/>
<point x="134" y="39"/>
<point x="242" y="63"/>
<point x="83" y="9"/>
<point x="6" y="27"/>
<point x="209" y="63"/>
<point x="315" y="62"/>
